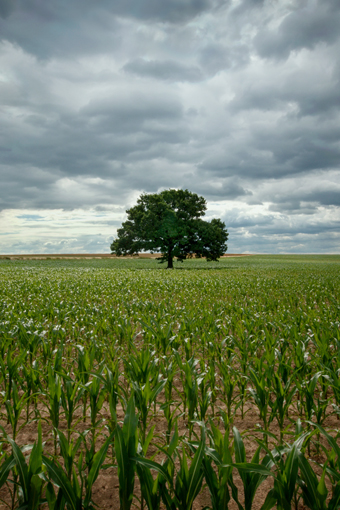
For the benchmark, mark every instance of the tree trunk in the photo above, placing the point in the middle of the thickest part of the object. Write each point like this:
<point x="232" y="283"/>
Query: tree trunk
<point x="170" y="261"/>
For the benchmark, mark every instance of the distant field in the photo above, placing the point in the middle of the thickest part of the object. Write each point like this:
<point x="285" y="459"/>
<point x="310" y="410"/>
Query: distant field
<point x="89" y="256"/>
<point x="250" y="342"/>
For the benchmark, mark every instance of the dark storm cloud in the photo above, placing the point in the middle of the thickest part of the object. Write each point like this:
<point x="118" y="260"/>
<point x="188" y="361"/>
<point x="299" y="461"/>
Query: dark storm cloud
<point x="324" y="197"/>
<point x="318" y="97"/>
<point x="173" y="10"/>
<point x="167" y="70"/>
<point x="237" y="101"/>
<point x="6" y="7"/>
<point x="306" y="201"/>
<point x="227" y="190"/>
<point x="215" y="57"/>
<point x="130" y="112"/>
<point x="92" y="142"/>
<point x="274" y="225"/>
<point x="293" y="207"/>
<point x="303" y="28"/>
<point x="85" y="27"/>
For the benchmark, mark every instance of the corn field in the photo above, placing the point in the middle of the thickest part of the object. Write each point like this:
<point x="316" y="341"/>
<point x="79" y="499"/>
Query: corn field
<point x="210" y="386"/>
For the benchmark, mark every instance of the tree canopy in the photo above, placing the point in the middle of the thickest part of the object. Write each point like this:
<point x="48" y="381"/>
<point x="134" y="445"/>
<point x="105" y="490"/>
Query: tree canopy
<point x="170" y="223"/>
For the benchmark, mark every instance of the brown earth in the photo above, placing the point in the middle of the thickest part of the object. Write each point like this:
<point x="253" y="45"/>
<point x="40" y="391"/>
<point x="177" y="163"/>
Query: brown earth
<point x="105" y="491"/>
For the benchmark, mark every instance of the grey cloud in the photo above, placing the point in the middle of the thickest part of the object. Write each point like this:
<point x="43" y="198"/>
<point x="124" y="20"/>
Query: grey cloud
<point x="167" y="70"/>
<point x="6" y="7"/>
<point x="94" y="243"/>
<point x="324" y="197"/>
<point x="275" y="244"/>
<point x="173" y="10"/>
<point x="306" y="201"/>
<point x="302" y="28"/>
<point x="129" y="112"/>
<point x="293" y="207"/>
<point x="225" y="191"/>
<point x="270" y="225"/>
<point x="237" y="219"/>
<point x="299" y="92"/>
<point x="215" y="57"/>
<point x="103" y="101"/>
<point x="84" y="27"/>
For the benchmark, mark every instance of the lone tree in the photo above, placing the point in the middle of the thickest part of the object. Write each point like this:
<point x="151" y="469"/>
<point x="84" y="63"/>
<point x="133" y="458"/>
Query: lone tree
<point x="170" y="223"/>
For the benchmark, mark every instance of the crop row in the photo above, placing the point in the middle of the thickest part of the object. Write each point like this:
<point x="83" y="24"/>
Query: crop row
<point x="170" y="378"/>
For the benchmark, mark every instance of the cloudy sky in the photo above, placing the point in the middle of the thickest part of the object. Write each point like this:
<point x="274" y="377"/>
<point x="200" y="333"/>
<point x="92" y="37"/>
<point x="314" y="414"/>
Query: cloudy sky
<point x="236" y="100"/>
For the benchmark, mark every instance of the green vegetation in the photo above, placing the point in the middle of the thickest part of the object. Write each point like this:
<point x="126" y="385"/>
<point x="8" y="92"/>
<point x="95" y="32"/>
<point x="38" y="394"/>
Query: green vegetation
<point x="212" y="383"/>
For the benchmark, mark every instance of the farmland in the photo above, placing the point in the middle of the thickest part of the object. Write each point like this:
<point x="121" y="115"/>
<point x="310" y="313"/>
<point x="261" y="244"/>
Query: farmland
<point x="213" y="385"/>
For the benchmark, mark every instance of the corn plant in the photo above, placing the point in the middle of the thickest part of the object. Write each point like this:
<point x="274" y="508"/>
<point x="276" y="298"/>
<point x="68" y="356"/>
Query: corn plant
<point x="31" y="379"/>
<point x="70" y="397"/>
<point x="212" y="377"/>
<point x="189" y="479"/>
<point x="333" y="375"/>
<point x="229" y="380"/>
<point x="191" y="380"/>
<point x="252" y="474"/>
<point x="150" y="487"/>
<point x="96" y="395"/>
<point x="141" y="367"/>
<point x="186" y="484"/>
<point x="69" y="449"/>
<point x="168" y="369"/>
<point x="314" y="490"/>
<point x="242" y="355"/>
<point x="85" y="365"/>
<point x="77" y="492"/>
<point x="29" y="341"/>
<point x="307" y="391"/>
<point x="219" y="483"/>
<point x="144" y="396"/>
<point x="285" y="475"/>
<point x="54" y="402"/>
<point x="261" y="394"/>
<point x="154" y="490"/>
<point x="126" y="441"/>
<point x="9" y="366"/>
<point x="332" y="465"/>
<point x="204" y="396"/>
<point x="15" y="405"/>
<point x="171" y="414"/>
<point x="283" y="396"/>
<point x="160" y="334"/>
<point x="7" y="462"/>
<point x="28" y="476"/>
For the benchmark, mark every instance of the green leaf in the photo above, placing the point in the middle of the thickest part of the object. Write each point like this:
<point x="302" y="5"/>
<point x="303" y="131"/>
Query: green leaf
<point x="35" y="462"/>
<point x="250" y="467"/>
<point x="153" y="465"/>
<point x="36" y="484"/>
<point x="240" y="453"/>
<point x="270" y="500"/>
<point x="59" y="477"/>
<point x="334" y="502"/>
<point x="97" y="462"/>
<point x="50" y="496"/>
<point x="196" y="473"/>
<point x="148" y="439"/>
<point x="5" y="468"/>
<point x="22" y="468"/>
<point x="322" y="489"/>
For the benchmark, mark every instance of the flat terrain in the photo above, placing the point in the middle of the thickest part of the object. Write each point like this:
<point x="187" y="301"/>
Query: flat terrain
<point x="249" y="342"/>
<point x="81" y="256"/>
